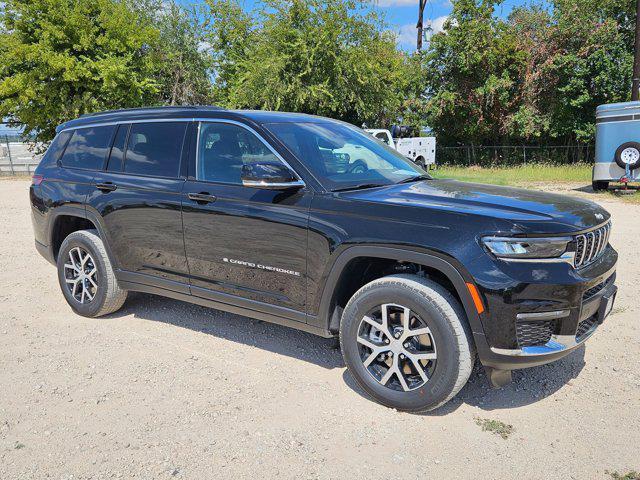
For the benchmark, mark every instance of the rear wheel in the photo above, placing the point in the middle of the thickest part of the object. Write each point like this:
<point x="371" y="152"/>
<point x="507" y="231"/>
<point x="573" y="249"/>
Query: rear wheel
<point x="406" y="342"/>
<point x="86" y="276"/>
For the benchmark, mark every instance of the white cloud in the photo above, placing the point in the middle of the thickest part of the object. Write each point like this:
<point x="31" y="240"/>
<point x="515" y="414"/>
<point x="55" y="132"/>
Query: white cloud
<point x="438" y="24"/>
<point x="407" y="35"/>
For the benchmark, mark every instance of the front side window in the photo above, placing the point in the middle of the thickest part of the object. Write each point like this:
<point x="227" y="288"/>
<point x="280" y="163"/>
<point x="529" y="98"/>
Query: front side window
<point x="344" y="156"/>
<point x="88" y="147"/>
<point x="155" y="148"/>
<point x="224" y="148"/>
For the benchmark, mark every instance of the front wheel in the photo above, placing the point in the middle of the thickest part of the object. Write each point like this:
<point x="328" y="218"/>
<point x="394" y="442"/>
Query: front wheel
<point x="406" y="341"/>
<point x="86" y="276"/>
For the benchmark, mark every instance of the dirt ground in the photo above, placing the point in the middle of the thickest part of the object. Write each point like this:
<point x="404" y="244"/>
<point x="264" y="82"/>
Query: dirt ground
<point x="167" y="389"/>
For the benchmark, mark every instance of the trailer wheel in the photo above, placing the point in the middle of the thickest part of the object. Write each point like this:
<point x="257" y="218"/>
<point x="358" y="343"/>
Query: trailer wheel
<point x="421" y="162"/>
<point x="628" y="154"/>
<point x="599" y="185"/>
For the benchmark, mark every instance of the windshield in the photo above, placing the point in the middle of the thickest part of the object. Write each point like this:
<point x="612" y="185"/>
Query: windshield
<point x="342" y="156"/>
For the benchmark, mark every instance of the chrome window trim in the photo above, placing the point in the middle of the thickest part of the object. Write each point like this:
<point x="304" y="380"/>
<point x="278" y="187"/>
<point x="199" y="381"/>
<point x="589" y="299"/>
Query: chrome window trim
<point x="200" y="121"/>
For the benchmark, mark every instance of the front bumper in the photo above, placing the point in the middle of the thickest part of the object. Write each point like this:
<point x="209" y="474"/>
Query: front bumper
<point x="566" y="343"/>
<point x="568" y="310"/>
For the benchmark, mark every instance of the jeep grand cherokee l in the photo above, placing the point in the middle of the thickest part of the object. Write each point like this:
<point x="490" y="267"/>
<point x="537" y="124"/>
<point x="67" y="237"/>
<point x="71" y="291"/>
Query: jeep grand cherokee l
<point x="263" y="214"/>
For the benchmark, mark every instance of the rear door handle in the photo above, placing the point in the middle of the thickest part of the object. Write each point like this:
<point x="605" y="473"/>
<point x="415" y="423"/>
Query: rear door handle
<point x="106" y="186"/>
<point x="202" y="198"/>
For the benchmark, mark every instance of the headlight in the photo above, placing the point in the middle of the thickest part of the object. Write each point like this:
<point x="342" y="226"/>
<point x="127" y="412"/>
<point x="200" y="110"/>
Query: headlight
<point x="527" y="248"/>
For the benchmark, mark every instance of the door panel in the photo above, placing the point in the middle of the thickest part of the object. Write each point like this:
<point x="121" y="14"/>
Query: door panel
<point x="248" y="242"/>
<point x="143" y="223"/>
<point x="241" y="241"/>
<point x="142" y="212"/>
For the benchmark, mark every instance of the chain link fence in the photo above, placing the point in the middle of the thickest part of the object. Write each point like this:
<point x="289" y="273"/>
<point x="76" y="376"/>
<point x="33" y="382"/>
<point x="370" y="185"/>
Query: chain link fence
<point x="17" y="157"/>
<point x="514" y="155"/>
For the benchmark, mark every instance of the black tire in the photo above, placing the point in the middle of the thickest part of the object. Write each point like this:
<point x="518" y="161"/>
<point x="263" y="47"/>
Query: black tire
<point x="626" y="147"/>
<point x="445" y="318"/>
<point x="108" y="297"/>
<point x="599" y="185"/>
<point x="421" y="163"/>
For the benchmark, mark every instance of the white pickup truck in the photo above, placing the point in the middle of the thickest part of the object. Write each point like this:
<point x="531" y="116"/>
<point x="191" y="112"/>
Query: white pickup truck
<point x="421" y="150"/>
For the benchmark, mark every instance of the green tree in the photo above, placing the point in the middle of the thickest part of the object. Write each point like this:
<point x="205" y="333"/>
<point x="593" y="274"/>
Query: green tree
<point x="63" y="58"/>
<point x="326" y="57"/>
<point x="185" y="63"/>
<point x="536" y="77"/>
<point x="472" y="76"/>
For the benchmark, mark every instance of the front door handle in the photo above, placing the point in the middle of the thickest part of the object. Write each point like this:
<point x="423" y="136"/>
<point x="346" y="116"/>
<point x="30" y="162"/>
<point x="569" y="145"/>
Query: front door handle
<point x="202" y="198"/>
<point x="106" y="186"/>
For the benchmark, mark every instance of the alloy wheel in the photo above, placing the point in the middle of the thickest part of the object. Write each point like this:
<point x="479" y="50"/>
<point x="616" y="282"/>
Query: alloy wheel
<point x="396" y="347"/>
<point x="80" y="275"/>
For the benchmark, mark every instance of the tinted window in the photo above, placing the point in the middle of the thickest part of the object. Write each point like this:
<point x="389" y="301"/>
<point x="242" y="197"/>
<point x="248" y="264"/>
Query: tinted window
<point x="88" y="147"/>
<point x="344" y="156"/>
<point x="117" y="150"/>
<point x="155" y="148"/>
<point x="224" y="148"/>
<point x="56" y="147"/>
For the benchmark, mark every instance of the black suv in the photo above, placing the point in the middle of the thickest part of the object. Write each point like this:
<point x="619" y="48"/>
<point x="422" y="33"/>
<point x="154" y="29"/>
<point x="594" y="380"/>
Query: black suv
<point x="312" y="223"/>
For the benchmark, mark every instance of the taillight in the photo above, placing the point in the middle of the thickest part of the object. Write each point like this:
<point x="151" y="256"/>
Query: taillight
<point x="37" y="180"/>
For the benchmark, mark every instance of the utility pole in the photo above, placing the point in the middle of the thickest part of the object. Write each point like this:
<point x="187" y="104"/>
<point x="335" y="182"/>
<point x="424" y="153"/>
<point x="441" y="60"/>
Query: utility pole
<point x="419" y="26"/>
<point x="636" y="60"/>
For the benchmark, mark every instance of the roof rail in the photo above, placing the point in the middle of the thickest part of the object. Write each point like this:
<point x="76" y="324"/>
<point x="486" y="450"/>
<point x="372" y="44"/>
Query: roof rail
<point x="144" y="109"/>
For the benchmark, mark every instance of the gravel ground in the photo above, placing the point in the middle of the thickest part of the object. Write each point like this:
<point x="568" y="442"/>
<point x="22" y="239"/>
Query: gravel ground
<point x="167" y="389"/>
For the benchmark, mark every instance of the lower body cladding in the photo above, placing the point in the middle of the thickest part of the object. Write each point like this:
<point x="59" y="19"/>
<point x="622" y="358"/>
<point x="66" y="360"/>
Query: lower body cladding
<point x="529" y="325"/>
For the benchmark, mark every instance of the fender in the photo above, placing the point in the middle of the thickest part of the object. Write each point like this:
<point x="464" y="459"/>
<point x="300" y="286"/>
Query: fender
<point x="81" y="212"/>
<point x="447" y="266"/>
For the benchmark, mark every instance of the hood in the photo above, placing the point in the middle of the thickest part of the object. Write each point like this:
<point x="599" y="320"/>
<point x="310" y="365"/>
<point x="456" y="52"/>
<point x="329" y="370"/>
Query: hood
<point x="529" y="211"/>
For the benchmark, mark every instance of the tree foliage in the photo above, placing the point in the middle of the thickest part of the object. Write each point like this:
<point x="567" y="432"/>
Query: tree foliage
<point x="535" y="77"/>
<point x="62" y="58"/>
<point x="327" y="57"/>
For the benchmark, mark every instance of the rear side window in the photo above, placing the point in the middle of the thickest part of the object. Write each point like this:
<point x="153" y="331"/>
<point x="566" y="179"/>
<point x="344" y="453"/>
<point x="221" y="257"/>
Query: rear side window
<point x="155" y="148"/>
<point x="117" y="150"/>
<point x="88" y="147"/>
<point x="56" y="147"/>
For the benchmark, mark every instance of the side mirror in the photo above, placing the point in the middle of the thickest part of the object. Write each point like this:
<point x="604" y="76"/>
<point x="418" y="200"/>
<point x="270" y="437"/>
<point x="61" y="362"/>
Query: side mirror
<point x="269" y="175"/>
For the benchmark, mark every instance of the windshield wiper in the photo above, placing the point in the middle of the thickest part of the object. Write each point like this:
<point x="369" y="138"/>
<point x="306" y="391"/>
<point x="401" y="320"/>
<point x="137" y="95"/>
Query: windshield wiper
<point x="415" y="178"/>
<point x="358" y="187"/>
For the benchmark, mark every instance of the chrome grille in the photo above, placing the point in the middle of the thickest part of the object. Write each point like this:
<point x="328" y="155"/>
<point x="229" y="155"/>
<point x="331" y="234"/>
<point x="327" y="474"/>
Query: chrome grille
<point x="590" y="245"/>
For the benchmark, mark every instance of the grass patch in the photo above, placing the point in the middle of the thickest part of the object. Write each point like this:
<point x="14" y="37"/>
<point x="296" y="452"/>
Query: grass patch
<point x="495" y="426"/>
<point x="19" y="446"/>
<point x="633" y="475"/>
<point x="579" y="173"/>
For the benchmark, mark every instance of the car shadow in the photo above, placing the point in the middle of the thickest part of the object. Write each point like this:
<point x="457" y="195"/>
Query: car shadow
<point x="235" y="328"/>
<point x="529" y="385"/>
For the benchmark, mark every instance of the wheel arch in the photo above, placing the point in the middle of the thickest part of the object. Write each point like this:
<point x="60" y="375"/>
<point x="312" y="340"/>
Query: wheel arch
<point x="455" y="274"/>
<point x="85" y="219"/>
